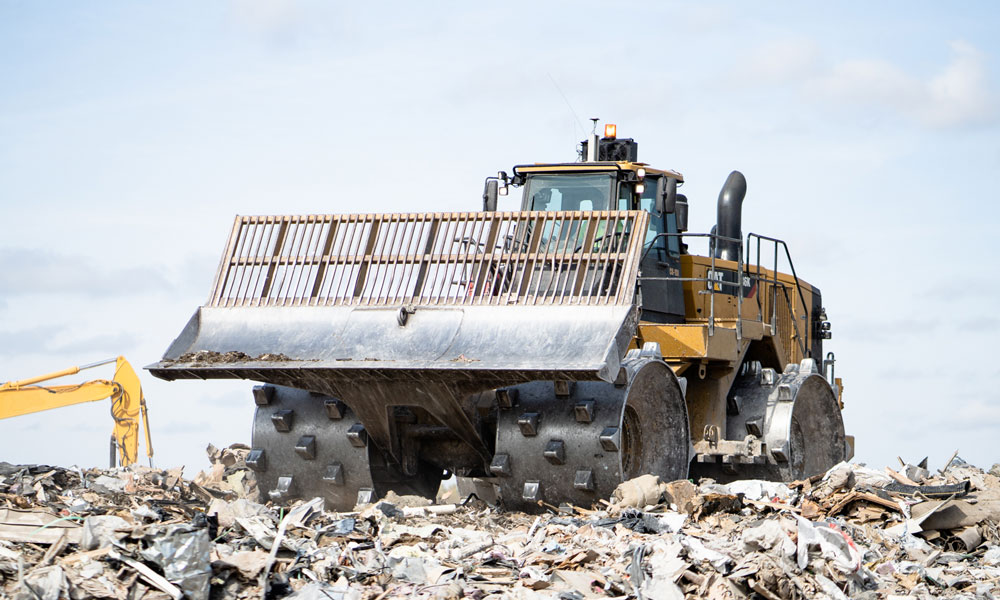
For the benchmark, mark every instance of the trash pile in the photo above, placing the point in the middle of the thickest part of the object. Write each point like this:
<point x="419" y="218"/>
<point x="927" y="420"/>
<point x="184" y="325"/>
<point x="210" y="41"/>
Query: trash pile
<point x="853" y="532"/>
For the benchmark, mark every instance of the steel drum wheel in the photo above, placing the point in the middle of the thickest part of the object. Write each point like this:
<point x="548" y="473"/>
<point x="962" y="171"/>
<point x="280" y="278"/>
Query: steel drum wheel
<point x="577" y="447"/>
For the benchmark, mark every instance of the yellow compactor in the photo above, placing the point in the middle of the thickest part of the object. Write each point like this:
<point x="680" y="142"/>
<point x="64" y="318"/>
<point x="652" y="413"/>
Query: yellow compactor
<point x="559" y="349"/>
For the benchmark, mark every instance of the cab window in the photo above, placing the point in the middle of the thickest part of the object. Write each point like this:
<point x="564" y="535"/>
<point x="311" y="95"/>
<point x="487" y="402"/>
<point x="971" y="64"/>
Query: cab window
<point x="658" y="222"/>
<point x="570" y="191"/>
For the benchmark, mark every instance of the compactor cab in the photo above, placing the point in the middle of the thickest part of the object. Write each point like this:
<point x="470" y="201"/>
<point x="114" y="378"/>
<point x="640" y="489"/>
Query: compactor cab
<point x="557" y="350"/>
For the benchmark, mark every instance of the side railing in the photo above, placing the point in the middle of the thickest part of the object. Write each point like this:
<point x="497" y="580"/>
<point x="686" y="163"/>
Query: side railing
<point x="428" y="259"/>
<point x="754" y="241"/>
<point x="714" y="281"/>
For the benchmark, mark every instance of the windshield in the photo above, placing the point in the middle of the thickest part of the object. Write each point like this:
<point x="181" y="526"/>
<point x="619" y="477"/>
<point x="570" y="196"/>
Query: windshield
<point x="571" y="191"/>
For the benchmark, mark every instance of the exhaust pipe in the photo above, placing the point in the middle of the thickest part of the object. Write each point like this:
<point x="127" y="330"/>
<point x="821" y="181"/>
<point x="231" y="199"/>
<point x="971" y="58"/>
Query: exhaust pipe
<point x="729" y="217"/>
<point x="592" y="143"/>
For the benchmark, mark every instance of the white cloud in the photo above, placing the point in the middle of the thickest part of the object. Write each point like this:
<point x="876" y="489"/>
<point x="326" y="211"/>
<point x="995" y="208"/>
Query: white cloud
<point x="33" y="271"/>
<point x="959" y="95"/>
<point x="977" y="414"/>
<point x="273" y="17"/>
<point x="867" y="81"/>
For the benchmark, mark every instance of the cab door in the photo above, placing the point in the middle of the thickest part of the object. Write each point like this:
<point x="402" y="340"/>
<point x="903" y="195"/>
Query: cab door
<point x="660" y="288"/>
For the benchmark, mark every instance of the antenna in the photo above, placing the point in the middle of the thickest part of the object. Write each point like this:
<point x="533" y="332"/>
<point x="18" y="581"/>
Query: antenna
<point x="594" y="120"/>
<point x="579" y="121"/>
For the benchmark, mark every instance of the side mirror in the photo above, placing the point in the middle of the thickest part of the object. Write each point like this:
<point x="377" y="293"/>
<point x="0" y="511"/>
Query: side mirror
<point x="681" y="212"/>
<point x="666" y="194"/>
<point x="490" y="195"/>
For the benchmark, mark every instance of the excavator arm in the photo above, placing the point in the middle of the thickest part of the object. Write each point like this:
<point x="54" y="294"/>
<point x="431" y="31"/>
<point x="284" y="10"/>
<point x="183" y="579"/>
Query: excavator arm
<point x="128" y="405"/>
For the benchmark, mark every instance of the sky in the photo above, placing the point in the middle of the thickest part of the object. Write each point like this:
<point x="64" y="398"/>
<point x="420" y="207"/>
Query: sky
<point x="132" y="133"/>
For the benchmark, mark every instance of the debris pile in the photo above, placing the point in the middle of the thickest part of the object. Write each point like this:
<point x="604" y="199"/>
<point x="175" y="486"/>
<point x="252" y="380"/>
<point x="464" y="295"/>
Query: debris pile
<point x="855" y="532"/>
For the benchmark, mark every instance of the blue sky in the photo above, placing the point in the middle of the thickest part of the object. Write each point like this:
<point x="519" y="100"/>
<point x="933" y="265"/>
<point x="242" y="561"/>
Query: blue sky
<point x="130" y="134"/>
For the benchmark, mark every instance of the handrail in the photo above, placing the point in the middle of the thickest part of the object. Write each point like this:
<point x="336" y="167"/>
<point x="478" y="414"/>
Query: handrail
<point x="795" y="277"/>
<point x="788" y="256"/>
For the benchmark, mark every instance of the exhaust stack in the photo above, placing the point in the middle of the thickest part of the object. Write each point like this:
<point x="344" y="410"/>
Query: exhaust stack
<point x="729" y="217"/>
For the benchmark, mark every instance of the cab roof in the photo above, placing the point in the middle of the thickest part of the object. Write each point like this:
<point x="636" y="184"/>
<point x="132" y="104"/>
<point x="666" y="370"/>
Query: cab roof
<point x="591" y="167"/>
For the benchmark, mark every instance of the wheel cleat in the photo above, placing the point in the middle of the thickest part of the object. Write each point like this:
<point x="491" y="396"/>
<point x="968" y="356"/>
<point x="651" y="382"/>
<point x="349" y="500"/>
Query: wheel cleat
<point x="506" y="398"/>
<point x="306" y="447"/>
<point x="500" y="465"/>
<point x="610" y="439"/>
<point x="357" y="435"/>
<point x="532" y="491"/>
<point x="335" y="409"/>
<point x="283" y="490"/>
<point x="282" y="420"/>
<point x="555" y="452"/>
<point x="334" y="474"/>
<point x="584" y="411"/>
<point x="256" y="460"/>
<point x="366" y="496"/>
<point x="263" y="394"/>
<point x="584" y="480"/>
<point x="528" y="422"/>
<point x="785" y="393"/>
<point x="780" y="454"/>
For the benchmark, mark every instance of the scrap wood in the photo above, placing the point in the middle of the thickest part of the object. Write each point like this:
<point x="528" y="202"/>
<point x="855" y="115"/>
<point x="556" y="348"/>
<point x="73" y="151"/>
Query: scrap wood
<point x="955" y="514"/>
<point x="948" y="464"/>
<point x="37" y="526"/>
<point x="855" y="496"/>
<point x="152" y="577"/>
<point x="900" y="478"/>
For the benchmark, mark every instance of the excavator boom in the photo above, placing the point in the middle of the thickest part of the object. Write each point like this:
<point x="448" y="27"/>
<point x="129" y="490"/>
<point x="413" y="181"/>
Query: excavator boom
<point x="128" y="406"/>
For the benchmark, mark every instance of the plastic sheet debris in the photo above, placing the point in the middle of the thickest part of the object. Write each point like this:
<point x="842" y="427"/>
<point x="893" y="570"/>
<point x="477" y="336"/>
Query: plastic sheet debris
<point x="183" y="552"/>
<point x="102" y="530"/>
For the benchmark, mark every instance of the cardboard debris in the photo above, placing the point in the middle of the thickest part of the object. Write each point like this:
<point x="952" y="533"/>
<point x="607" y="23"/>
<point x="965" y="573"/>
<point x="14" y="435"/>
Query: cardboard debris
<point x="36" y="526"/>
<point x="145" y="534"/>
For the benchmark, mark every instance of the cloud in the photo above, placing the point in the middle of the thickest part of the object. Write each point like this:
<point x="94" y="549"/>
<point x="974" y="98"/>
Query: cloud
<point x="105" y="343"/>
<point x="885" y="329"/>
<point x="972" y="415"/>
<point x="183" y="427"/>
<point x="985" y="325"/>
<point x="959" y="95"/>
<point x="33" y="271"/>
<point x="55" y="339"/>
<point x="867" y="81"/>
<point x="28" y="341"/>
<point x="267" y="14"/>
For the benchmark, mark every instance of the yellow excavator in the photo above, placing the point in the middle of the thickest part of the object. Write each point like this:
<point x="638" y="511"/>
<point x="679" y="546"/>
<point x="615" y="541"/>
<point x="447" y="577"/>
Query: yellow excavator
<point x="128" y="405"/>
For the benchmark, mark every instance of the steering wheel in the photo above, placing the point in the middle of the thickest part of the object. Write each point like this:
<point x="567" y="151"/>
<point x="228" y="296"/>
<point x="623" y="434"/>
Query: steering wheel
<point x="599" y="238"/>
